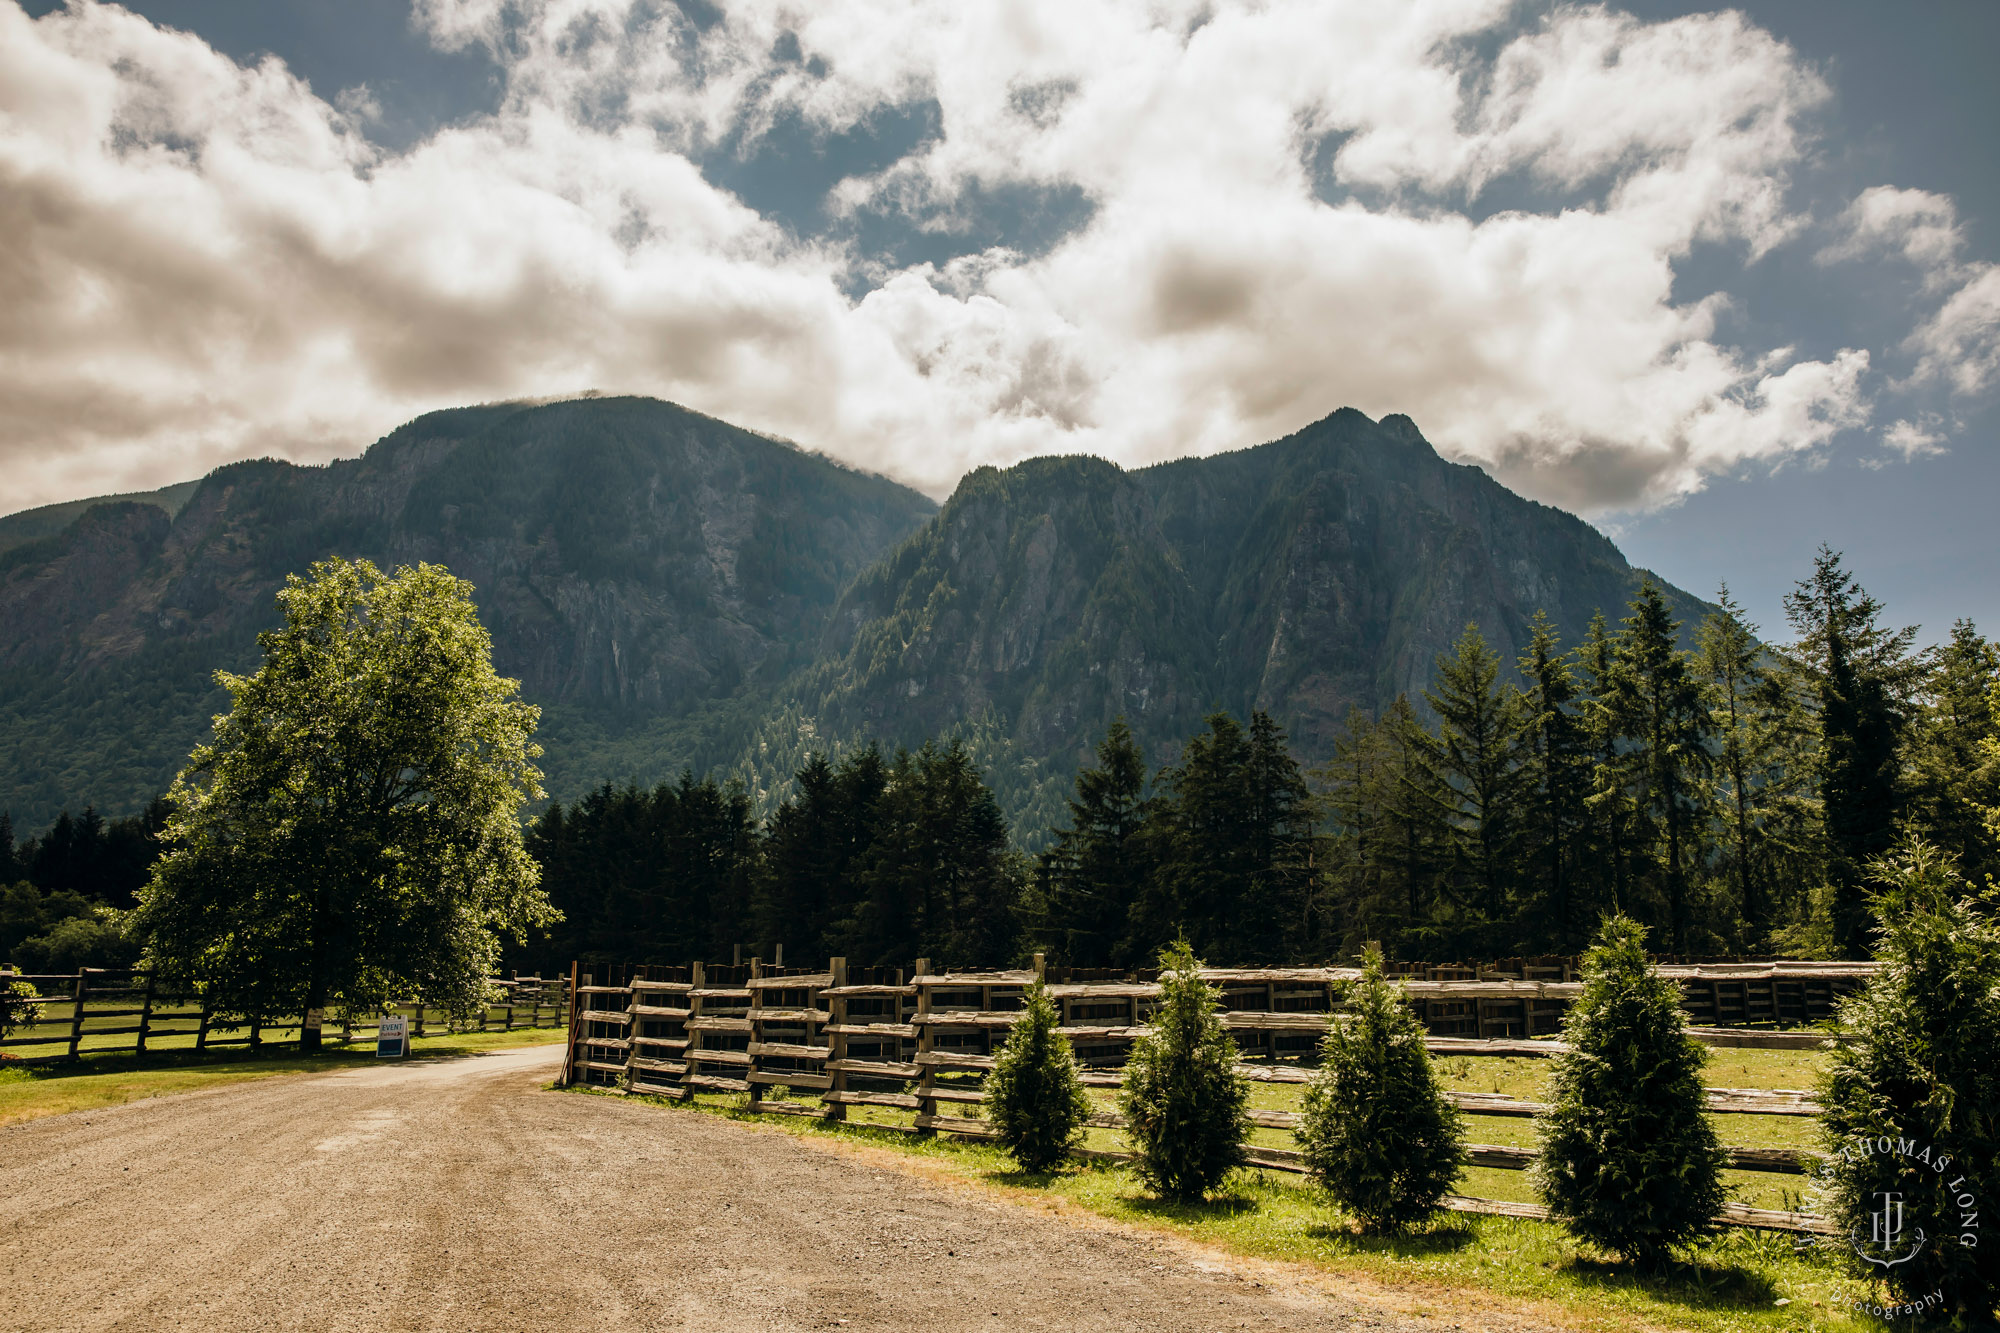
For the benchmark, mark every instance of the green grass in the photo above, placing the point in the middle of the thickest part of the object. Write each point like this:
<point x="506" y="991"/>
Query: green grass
<point x="1462" y="1263"/>
<point x="95" y="1082"/>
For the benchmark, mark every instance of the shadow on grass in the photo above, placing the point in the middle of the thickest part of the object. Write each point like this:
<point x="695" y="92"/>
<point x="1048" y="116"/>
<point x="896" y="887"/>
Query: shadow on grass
<point x="1219" y="1209"/>
<point x="1687" y="1282"/>
<point x="1440" y="1237"/>
<point x="275" y="1059"/>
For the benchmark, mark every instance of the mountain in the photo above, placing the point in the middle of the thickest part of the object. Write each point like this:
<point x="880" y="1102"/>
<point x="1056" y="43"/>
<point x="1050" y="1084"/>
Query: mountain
<point x="677" y="592"/>
<point x="1324" y="571"/>
<point x="640" y="567"/>
<point x="27" y="525"/>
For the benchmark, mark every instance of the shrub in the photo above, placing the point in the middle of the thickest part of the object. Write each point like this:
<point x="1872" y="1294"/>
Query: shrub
<point x="19" y="1005"/>
<point x="1377" y="1131"/>
<point x="1183" y="1099"/>
<point x="1921" y="1070"/>
<point x="1629" y="1160"/>
<point x="1034" y="1097"/>
<point x="96" y="940"/>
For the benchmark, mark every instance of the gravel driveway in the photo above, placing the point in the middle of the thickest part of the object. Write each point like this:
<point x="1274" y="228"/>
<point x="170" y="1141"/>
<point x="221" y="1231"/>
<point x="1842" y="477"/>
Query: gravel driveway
<point x="459" y="1195"/>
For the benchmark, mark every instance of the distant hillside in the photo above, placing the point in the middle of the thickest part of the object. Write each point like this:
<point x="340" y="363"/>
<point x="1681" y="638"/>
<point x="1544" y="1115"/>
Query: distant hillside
<point x="18" y="529"/>
<point x="639" y="565"/>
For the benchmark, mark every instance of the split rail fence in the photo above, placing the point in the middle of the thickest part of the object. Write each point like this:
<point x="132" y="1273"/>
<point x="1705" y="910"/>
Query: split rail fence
<point x="113" y="1010"/>
<point x="921" y="1042"/>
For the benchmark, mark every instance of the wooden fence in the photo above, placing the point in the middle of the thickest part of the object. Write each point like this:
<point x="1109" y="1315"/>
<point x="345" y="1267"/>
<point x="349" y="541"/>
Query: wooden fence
<point x="116" y="1010"/>
<point x="921" y="1042"/>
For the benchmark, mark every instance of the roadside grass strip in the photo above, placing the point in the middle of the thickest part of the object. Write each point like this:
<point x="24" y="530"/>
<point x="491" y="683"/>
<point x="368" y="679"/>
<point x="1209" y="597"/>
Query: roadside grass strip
<point x="1737" y="1280"/>
<point x="28" y="1092"/>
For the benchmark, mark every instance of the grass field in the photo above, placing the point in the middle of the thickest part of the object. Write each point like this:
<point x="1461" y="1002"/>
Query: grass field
<point x="1740" y="1280"/>
<point x="95" y="1082"/>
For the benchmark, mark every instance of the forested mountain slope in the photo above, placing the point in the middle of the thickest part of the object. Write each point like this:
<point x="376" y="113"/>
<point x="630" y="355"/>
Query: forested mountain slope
<point x="640" y="566"/>
<point x="1324" y="571"/>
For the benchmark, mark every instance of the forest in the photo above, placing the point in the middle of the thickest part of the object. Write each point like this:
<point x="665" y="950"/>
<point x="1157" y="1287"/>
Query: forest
<point x="1729" y="793"/>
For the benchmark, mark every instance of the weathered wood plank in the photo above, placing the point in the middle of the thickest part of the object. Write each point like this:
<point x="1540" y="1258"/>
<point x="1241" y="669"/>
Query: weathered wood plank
<point x="716" y="1056"/>
<point x="901" y="1101"/>
<point x="706" y="1024"/>
<point x="604" y="1016"/>
<point x="804" y="981"/>
<point x="786" y="1078"/>
<point x="883" y="1030"/>
<point x="759" y="1014"/>
<point x="788" y="1050"/>
<point x="657" y="1011"/>
<point x="952" y="1124"/>
<point x="876" y="1068"/>
<point x="714" y="1083"/>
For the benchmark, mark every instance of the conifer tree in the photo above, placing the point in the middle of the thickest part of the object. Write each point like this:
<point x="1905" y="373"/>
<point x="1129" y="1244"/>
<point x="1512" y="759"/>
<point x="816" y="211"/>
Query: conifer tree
<point x="1730" y="662"/>
<point x="1034" y="1097"/>
<point x="1376" y="1131"/>
<point x="1413" y="801"/>
<point x="1351" y="783"/>
<point x="1096" y="869"/>
<point x="1476" y="756"/>
<point x="1610" y="831"/>
<point x="1184" y="1102"/>
<point x="1919" y="1070"/>
<point x="1555" y="779"/>
<point x="1946" y="763"/>
<point x="1660" y="703"/>
<point x="1628" y="1159"/>
<point x="1862" y="674"/>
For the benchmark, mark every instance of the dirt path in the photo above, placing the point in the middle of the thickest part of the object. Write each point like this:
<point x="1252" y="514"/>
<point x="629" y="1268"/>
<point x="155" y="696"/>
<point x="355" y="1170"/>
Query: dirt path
<point x="458" y="1196"/>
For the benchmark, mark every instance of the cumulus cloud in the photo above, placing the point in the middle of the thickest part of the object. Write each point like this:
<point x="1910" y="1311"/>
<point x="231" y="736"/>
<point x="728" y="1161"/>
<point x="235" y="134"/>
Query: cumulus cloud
<point x="1283" y="212"/>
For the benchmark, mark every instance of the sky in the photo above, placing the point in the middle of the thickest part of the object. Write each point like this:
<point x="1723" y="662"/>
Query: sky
<point x="1726" y="283"/>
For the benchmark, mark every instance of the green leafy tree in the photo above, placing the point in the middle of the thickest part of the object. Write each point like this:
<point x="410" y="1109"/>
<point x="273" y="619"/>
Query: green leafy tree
<point x="1628" y="1159"/>
<point x="1185" y="1103"/>
<point x="351" y="833"/>
<point x="1376" y="1129"/>
<point x="20" y="1004"/>
<point x="1034" y="1097"/>
<point x="1919" y="1068"/>
<point x="1862" y="675"/>
<point x="1096" y="869"/>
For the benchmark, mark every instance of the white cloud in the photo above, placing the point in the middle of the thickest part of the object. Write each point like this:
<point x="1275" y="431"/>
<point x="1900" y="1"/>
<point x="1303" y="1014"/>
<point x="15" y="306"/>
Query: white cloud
<point x="1916" y="439"/>
<point x="207" y="261"/>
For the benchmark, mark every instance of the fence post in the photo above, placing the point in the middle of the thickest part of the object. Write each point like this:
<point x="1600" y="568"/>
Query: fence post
<point x="76" y="1012"/>
<point x="926" y="1072"/>
<point x="836" y="1040"/>
<point x="756" y="1042"/>
<point x="564" y="1079"/>
<point x="697" y="980"/>
<point x="145" y="1016"/>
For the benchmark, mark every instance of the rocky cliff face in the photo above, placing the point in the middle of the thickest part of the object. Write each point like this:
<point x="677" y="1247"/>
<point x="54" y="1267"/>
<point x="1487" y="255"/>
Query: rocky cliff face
<point x="632" y="559"/>
<point x="1321" y="572"/>
<point x="675" y="591"/>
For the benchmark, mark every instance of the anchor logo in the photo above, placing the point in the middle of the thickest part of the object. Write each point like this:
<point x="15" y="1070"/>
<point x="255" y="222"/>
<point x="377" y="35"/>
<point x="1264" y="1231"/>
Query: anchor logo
<point x="1885" y="1234"/>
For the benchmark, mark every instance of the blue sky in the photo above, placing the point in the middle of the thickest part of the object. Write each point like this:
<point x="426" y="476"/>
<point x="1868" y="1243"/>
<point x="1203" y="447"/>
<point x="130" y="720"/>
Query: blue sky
<point x="1724" y="282"/>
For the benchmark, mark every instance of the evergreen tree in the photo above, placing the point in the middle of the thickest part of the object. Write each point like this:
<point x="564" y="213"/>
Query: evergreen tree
<point x="1946" y="760"/>
<point x="1477" y="759"/>
<point x="817" y="846"/>
<point x="1862" y="675"/>
<point x="1730" y="663"/>
<point x="12" y="869"/>
<point x="1231" y="833"/>
<point x="1628" y="1159"/>
<point x="1376" y="1130"/>
<point x="941" y="880"/>
<point x="1351" y="787"/>
<point x="1919" y="1071"/>
<point x="1555" y="773"/>
<point x="1093" y="874"/>
<point x="1415" y="843"/>
<point x="1659" y="701"/>
<point x="1611" y="831"/>
<point x="1034" y="1097"/>
<point x="1185" y="1103"/>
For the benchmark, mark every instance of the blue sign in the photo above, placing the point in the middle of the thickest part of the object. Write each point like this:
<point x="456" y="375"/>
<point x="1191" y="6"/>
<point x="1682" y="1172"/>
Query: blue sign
<point x="392" y="1037"/>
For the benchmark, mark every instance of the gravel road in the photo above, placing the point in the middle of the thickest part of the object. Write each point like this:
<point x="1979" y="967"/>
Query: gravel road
<point x="461" y="1195"/>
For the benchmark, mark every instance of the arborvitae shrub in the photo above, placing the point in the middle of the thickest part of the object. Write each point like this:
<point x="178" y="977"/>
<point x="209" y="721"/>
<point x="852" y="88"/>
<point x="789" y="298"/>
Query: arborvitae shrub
<point x="1377" y="1131"/>
<point x="1034" y="1097"/>
<point x="1628" y="1158"/>
<point x="1921" y="1073"/>
<point x="1183" y="1099"/>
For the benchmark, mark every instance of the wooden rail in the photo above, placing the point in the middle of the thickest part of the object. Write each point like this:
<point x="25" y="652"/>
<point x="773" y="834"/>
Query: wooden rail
<point x="818" y="1042"/>
<point x="81" y="1012"/>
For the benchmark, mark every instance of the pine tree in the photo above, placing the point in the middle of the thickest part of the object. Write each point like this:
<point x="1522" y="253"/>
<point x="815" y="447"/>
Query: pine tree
<point x="1351" y="786"/>
<point x="1376" y="1131"/>
<point x="1946" y="761"/>
<point x="817" y="845"/>
<point x="1477" y="757"/>
<point x="1556" y="778"/>
<point x="1034" y="1097"/>
<point x="1415" y="836"/>
<point x="1184" y="1102"/>
<point x="1611" y="834"/>
<point x="1096" y="869"/>
<point x="1919" y="1071"/>
<point x="1628" y="1159"/>
<point x="1660" y="704"/>
<point x="1862" y="675"/>
<point x="1731" y="665"/>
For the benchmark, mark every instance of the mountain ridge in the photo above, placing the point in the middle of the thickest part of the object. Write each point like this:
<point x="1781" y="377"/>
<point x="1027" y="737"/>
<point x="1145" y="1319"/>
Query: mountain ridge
<point x="678" y="592"/>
